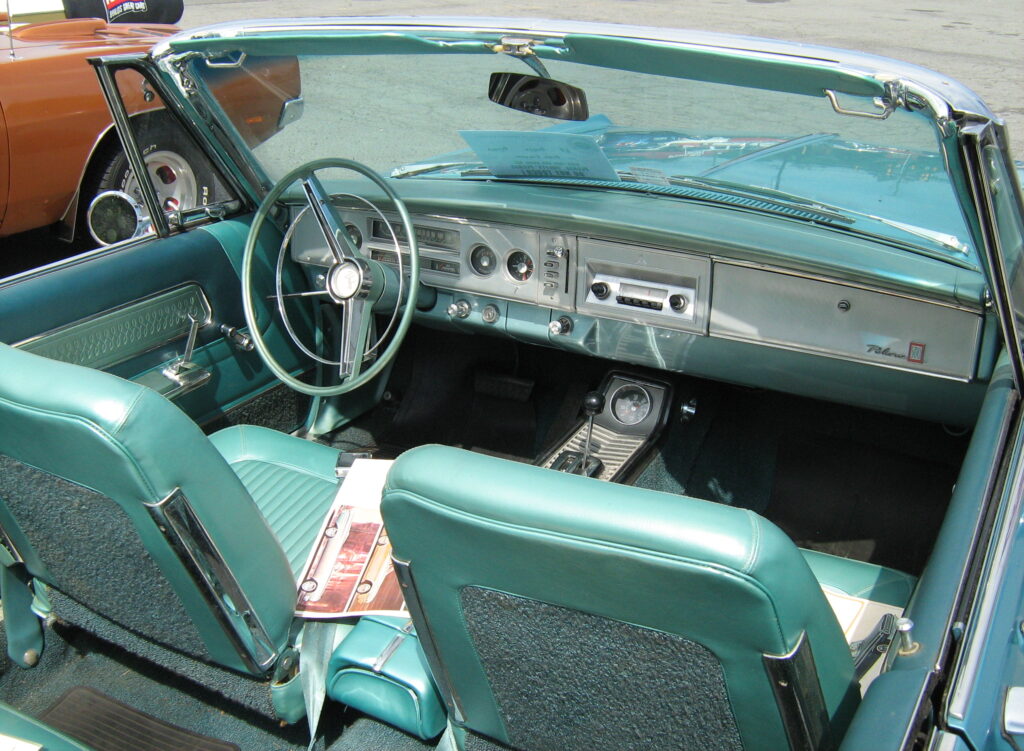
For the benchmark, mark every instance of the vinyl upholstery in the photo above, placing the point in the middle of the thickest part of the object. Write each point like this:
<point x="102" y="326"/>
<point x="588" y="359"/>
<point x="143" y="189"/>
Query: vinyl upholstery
<point x="720" y="576"/>
<point x="129" y="444"/>
<point x="291" y="480"/>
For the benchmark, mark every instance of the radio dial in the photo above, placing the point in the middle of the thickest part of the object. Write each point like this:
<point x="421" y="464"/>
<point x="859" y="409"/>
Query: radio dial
<point x="678" y="303"/>
<point x="601" y="290"/>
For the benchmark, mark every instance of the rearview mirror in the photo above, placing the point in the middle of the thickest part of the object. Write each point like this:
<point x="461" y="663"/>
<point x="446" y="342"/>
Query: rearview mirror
<point x="538" y="96"/>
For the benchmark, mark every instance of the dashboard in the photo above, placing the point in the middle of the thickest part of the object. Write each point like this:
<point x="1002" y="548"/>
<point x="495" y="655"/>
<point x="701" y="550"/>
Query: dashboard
<point x="648" y="303"/>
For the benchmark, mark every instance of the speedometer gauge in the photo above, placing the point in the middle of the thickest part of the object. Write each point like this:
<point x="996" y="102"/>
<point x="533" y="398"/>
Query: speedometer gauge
<point x="519" y="265"/>
<point x="631" y="404"/>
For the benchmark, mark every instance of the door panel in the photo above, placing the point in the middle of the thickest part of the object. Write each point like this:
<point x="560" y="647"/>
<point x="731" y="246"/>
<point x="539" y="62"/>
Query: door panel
<point x="129" y="306"/>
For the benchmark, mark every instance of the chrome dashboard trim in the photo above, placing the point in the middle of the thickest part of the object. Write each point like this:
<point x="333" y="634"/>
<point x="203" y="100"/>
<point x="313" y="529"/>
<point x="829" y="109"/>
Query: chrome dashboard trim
<point x="865" y="338"/>
<point x="716" y="258"/>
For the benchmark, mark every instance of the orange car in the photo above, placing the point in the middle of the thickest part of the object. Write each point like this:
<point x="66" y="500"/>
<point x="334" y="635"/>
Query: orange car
<point x="58" y="147"/>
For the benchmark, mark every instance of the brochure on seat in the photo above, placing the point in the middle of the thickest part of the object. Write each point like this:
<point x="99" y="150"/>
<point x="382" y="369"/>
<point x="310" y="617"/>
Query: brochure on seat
<point x="349" y="570"/>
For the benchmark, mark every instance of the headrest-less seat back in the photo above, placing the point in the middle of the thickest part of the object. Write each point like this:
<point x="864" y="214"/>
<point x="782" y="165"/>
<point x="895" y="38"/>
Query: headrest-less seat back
<point x="564" y="612"/>
<point x="84" y="455"/>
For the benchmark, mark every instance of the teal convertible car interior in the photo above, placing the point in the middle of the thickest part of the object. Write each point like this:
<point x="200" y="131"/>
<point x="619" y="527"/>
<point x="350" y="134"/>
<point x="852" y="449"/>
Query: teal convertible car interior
<point x="690" y="366"/>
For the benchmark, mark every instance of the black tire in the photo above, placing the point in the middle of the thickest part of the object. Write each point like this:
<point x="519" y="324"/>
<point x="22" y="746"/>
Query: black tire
<point x="185" y="178"/>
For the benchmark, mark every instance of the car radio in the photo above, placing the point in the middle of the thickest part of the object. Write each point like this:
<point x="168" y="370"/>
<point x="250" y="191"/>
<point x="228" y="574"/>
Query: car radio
<point x="632" y="283"/>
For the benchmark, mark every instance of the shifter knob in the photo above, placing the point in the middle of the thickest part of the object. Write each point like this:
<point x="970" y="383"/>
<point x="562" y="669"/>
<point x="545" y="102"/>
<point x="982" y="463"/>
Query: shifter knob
<point x="593" y="403"/>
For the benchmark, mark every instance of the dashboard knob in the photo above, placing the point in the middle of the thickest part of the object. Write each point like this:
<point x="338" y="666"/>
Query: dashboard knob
<point x="601" y="290"/>
<point x="678" y="303"/>
<point x="490" y="314"/>
<point x="557" y="252"/>
<point x="459" y="309"/>
<point x="561" y="326"/>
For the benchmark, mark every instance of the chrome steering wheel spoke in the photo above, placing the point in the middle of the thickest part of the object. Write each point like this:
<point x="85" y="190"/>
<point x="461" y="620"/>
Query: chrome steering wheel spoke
<point x="355" y="333"/>
<point x="333" y="231"/>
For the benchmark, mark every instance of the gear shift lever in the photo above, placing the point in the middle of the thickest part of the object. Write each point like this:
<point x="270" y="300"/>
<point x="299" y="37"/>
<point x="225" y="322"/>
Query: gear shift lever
<point x="593" y="404"/>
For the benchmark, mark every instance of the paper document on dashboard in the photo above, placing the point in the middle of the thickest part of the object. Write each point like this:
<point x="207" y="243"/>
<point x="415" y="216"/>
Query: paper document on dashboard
<point x="349" y="569"/>
<point x="511" y="153"/>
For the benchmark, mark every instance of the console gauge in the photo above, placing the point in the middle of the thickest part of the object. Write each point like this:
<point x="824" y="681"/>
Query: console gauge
<point x="631" y="404"/>
<point x="519" y="265"/>
<point x="483" y="260"/>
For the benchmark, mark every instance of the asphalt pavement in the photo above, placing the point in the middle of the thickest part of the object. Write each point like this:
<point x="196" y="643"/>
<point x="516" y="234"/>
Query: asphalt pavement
<point x="979" y="43"/>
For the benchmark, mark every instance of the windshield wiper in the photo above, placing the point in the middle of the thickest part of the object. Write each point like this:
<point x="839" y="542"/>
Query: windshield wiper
<point x="786" y="203"/>
<point x="775" y="148"/>
<point x="423" y="168"/>
<point x="833" y="213"/>
<point x="751" y="193"/>
<point x="825" y="211"/>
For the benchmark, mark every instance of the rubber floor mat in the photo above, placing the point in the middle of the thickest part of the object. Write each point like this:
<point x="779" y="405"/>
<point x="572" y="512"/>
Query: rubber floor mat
<point x="108" y="725"/>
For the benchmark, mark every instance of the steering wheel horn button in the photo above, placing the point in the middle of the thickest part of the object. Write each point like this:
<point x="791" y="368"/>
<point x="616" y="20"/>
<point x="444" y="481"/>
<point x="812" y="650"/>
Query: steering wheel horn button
<point x="345" y="281"/>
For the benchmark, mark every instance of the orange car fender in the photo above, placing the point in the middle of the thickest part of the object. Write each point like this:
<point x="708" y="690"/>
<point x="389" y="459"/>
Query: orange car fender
<point x="5" y="165"/>
<point x="55" y="118"/>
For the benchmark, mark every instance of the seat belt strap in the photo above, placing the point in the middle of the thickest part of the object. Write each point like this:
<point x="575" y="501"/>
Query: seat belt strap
<point x="318" y="639"/>
<point x="24" y="628"/>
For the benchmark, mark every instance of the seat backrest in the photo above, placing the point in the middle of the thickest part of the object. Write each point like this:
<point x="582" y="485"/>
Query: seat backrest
<point x="116" y="499"/>
<point x="562" y="612"/>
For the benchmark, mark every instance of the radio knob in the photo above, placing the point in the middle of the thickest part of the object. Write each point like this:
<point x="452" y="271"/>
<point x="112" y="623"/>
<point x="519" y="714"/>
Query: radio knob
<point x="601" y="290"/>
<point x="678" y="303"/>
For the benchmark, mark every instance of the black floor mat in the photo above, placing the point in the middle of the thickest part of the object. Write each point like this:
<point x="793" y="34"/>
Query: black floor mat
<point x="476" y="392"/>
<point x="857" y="501"/>
<point x="106" y="724"/>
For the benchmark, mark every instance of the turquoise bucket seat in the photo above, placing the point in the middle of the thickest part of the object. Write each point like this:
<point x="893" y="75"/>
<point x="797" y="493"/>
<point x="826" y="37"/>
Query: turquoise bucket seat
<point x="561" y="612"/>
<point x="180" y="547"/>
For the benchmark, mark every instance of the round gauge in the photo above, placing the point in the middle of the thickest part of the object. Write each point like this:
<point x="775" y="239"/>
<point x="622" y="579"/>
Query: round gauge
<point x="631" y="404"/>
<point x="354" y="235"/>
<point x="483" y="260"/>
<point x="519" y="265"/>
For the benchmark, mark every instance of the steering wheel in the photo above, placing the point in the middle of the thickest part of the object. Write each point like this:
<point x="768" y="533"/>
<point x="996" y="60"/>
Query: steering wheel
<point x="353" y="282"/>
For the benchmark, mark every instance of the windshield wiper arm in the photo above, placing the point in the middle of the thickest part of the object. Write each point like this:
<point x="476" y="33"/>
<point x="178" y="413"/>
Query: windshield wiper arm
<point x="775" y="148"/>
<point x="779" y="198"/>
<point x="411" y="170"/>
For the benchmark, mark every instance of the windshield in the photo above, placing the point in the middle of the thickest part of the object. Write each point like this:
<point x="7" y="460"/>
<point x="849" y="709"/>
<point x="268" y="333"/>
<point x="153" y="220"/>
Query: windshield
<point x="428" y="117"/>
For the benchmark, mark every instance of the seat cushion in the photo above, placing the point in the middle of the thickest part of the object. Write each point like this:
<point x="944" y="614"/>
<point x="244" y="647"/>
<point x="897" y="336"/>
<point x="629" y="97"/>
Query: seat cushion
<point x="860" y="593"/>
<point x="859" y="579"/>
<point x="291" y="480"/>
